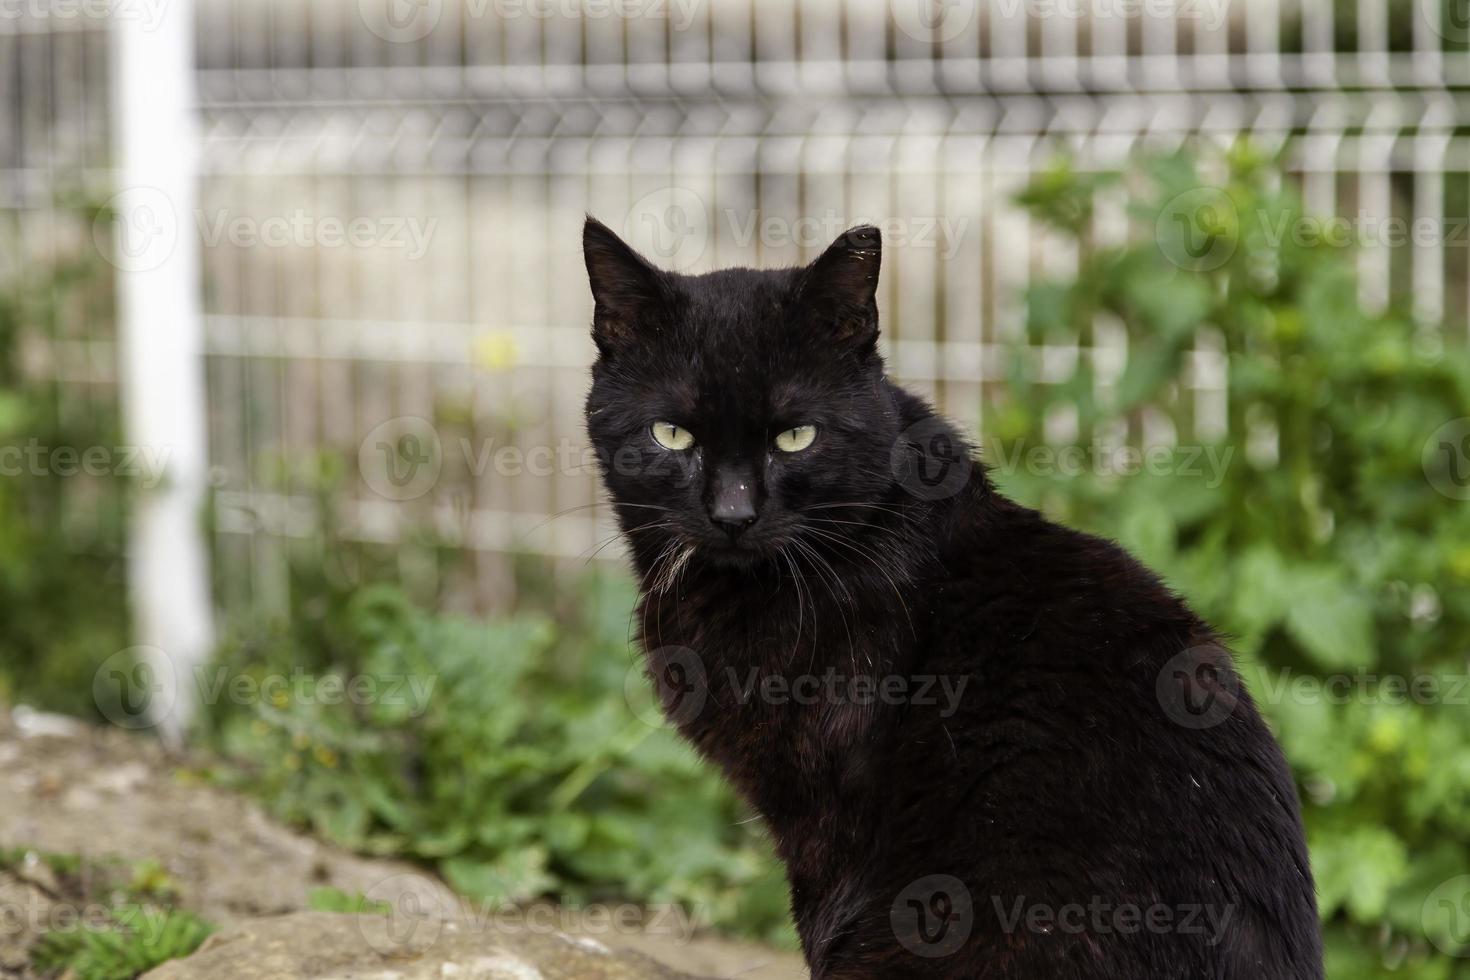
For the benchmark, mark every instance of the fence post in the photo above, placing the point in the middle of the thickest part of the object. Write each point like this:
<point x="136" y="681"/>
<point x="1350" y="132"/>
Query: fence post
<point x="160" y="350"/>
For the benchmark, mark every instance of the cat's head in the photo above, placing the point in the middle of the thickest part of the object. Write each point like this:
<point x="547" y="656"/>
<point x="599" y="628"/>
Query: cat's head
<point x="741" y="411"/>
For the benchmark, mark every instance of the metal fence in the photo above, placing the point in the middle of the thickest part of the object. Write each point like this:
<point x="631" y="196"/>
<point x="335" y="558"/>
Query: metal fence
<point x="391" y="194"/>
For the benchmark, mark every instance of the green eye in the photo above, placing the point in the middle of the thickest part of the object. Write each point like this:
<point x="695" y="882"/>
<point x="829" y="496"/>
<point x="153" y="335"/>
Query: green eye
<point x="797" y="439"/>
<point x="670" y="436"/>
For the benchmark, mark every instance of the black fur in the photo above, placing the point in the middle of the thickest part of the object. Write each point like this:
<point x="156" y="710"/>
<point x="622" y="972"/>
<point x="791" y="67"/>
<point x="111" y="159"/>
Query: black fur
<point x="1100" y="800"/>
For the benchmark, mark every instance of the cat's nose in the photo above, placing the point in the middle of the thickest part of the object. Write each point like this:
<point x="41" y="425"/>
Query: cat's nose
<point x="732" y="505"/>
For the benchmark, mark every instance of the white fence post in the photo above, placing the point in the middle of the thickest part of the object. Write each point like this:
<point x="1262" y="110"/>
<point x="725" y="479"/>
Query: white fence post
<point x="160" y="331"/>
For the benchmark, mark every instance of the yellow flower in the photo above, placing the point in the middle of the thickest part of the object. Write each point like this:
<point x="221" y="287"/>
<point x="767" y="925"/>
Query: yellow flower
<point x="326" y="756"/>
<point x="495" y="351"/>
<point x="1386" y="735"/>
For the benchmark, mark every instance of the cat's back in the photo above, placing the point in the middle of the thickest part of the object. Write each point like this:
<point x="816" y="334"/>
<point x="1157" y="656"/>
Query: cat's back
<point x="1104" y="756"/>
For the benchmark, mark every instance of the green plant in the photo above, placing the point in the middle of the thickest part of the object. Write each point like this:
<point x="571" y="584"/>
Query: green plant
<point x="1316" y="537"/>
<point x="135" y="940"/>
<point x="132" y="924"/>
<point x="336" y="900"/>
<point x="504" y="753"/>
<point x="62" y="586"/>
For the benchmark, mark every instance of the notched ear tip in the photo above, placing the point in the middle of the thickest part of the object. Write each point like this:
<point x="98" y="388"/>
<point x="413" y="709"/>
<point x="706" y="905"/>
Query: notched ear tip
<point x="856" y="251"/>
<point x="839" y="289"/>
<point x="861" y="238"/>
<point x="851" y="263"/>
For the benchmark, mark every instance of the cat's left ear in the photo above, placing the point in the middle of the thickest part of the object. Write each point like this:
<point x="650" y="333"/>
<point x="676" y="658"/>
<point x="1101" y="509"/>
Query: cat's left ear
<point x="839" y="290"/>
<point x="627" y="291"/>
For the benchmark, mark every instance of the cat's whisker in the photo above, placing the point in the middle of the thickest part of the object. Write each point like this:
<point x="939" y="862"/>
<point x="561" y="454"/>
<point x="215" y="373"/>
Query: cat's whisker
<point x="616" y="535"/>
<point x="895" y="532"/>
<point x="646" y="593"/>
<point x="671" y="572"/>
<point x="600" y="503"/>
<point x="824" y="569"/>
<point x="891" y="509"/>
<point x="883" y="568"/>
<point x="800" y="603"/>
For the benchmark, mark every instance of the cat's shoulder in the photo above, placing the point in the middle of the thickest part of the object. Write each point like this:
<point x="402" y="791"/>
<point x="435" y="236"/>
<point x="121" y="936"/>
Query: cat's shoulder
<point x="1030" y="575"/>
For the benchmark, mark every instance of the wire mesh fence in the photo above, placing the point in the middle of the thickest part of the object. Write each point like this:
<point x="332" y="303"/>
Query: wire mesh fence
<point x="391" y="197"/>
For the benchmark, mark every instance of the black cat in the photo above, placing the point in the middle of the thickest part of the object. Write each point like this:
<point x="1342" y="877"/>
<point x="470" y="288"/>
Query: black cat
<point x="985" y="745"/>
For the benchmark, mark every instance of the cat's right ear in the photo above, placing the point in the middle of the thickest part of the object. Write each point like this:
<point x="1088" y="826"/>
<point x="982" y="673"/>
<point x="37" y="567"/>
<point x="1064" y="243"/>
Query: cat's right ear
<point x="626" y="290"/>
<point x="839" y="290"/>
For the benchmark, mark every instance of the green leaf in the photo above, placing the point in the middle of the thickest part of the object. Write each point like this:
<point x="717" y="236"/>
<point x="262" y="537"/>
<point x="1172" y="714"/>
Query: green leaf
<point x="1171" y="307"/>
<point x="515" y="877"/>
<point x="1330" y="619"/>
<point x="1149" y="533"/>
<point x="1147" y="371"/>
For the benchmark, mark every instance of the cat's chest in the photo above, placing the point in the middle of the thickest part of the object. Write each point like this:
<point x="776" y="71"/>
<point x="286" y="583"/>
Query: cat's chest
<point x="787" y="693"/>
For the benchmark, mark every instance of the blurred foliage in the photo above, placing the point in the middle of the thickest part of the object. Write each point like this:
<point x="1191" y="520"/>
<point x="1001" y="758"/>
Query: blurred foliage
<point x="1316" y="537"/>
<point x="512" y="754"/>
<point x="62" y="594"/>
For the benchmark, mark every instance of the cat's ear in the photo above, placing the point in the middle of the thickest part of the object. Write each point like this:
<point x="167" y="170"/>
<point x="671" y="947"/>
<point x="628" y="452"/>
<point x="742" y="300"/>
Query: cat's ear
<point x="626" y="290"/>
<point x="839" y="290"/>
